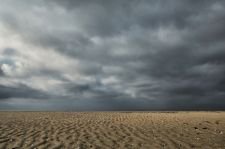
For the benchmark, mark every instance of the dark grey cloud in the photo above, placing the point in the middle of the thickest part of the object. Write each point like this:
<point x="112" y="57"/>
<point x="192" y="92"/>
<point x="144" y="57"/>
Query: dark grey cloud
<point x="1" y="72"/>
<point x="21" y="91"/>
<point x="117" y="55"/>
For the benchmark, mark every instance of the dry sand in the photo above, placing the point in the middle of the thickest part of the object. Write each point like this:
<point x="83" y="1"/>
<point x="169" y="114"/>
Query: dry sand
<point x="112" y="130"/>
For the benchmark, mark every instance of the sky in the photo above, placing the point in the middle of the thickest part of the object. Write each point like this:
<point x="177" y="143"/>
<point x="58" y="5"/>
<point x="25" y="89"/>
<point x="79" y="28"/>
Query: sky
<point x="87" y="55"/>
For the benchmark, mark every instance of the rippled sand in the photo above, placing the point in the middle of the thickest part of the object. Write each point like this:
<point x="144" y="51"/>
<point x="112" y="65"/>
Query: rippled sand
<point x="112" y="130"/>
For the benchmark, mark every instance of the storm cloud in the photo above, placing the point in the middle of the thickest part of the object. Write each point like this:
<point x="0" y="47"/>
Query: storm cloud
<point x="112" y="55"/>
<point x="20" y="91"/>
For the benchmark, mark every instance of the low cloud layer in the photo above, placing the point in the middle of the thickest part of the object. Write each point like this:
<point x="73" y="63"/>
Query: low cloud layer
<point x="118" y="55"/>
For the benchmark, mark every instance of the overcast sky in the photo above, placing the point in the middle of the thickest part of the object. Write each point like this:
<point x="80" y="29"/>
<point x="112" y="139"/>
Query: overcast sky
<point x="78" y="55"/>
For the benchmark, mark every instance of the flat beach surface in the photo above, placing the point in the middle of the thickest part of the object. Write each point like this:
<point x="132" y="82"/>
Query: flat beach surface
<point x="48" y="130"/>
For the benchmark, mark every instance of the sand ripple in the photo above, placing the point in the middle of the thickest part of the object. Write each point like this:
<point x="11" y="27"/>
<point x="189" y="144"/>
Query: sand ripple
<point x="135" y="130"/>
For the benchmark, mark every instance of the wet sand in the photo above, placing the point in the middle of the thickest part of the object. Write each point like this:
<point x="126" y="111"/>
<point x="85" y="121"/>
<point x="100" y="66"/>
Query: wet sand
<point x="83" y="130"/>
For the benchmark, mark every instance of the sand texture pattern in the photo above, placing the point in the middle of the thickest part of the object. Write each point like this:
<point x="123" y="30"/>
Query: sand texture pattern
<point x="135" y="130"/>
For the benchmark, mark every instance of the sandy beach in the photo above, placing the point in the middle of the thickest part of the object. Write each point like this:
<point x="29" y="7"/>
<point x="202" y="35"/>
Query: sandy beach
<point x="81" y="130"/>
